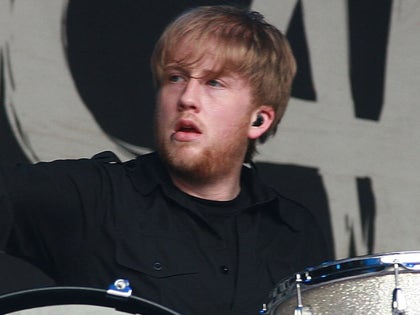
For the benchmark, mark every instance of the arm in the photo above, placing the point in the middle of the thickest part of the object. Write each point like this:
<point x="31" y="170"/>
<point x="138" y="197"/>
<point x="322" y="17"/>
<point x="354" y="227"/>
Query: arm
<point x="48" y="210"/>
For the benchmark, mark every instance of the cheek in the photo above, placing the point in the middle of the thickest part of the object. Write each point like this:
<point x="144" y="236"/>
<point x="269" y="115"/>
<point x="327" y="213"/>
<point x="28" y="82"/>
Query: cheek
<point x="231" y="123"/>
<point x="236" y="116"/>
<point x="164" y="102"/>
<point x="167" y="97"/>
<point x="161" y="115"/>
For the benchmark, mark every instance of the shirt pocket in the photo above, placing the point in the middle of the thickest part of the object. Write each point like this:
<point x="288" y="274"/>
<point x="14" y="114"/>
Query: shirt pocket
<point x="157" y="256"/>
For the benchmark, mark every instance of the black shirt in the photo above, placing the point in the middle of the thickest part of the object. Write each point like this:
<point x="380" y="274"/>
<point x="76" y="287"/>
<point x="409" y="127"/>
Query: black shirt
<point x="88" y="222"/>
<point x="221" y="216"/>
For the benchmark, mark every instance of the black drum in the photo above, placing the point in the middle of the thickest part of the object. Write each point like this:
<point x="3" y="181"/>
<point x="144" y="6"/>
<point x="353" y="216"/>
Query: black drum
<point x="386" y="284"/>
<point x="78" y="300"/>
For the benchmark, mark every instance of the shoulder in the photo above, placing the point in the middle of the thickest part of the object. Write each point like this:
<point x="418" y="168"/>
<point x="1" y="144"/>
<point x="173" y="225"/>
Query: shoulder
<point x="143" y="172"/>
<point x="64" y="175"/>
<point x="263" y="193"/>
<point x="266" y="184"/>
<point x="293" y="213"/>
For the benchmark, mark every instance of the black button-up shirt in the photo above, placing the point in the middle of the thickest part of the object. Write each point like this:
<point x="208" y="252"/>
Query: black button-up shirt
<point x="89" y="222"/>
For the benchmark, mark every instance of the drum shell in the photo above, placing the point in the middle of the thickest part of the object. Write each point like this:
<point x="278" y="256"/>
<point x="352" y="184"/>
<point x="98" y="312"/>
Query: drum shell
<point x="366" y="291"/>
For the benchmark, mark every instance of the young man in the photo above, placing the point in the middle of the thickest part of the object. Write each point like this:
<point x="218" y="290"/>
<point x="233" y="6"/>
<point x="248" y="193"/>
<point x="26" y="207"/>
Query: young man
<point x="189" y="226"/>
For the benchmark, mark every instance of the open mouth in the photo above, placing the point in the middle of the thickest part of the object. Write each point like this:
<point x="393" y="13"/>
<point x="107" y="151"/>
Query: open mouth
<point x="186" y="130"/>
<point x="187" y="126"/>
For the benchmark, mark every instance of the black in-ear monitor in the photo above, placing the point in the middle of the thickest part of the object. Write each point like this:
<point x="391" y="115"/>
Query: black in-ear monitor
<point x="259" y="121"/>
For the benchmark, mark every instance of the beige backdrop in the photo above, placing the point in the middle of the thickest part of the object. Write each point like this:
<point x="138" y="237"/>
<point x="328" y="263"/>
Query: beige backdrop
<point x="54" y="123"/>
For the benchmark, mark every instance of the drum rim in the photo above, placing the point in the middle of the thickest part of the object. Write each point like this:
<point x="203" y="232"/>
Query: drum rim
<point x="352" y="267"/>
<point x="67" y="295"/>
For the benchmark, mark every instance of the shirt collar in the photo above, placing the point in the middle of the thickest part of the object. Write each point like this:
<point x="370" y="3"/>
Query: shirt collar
<point x="147" y="173"/>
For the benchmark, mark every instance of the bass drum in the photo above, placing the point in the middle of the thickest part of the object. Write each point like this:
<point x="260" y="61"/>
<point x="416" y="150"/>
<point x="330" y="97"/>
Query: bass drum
<point x="75" y="301"/>
<point x="370" y="285"/>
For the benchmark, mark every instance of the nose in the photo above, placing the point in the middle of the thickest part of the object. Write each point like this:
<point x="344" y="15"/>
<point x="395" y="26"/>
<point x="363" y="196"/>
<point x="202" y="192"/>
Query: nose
<point x="190" y="97"/>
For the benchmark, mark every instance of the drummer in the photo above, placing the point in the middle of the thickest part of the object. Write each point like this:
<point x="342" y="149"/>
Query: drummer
<point x="191" y="226"/>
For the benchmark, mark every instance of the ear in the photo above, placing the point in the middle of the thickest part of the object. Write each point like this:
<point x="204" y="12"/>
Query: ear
<point x="261" y="120"/>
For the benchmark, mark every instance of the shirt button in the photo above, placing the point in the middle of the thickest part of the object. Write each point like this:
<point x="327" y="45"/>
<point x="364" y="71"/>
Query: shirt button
<point x="224" y="269"/>
<point x="157" y="266"/>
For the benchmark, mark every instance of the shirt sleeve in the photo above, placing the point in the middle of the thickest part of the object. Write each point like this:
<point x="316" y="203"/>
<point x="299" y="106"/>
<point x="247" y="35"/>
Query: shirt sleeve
<point x="48" y="210"/>
<point x="5" y="216"/>
<point x="316" y="247"/>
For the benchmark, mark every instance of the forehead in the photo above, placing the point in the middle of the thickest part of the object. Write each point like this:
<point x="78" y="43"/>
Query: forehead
<point x="206" y="54"/>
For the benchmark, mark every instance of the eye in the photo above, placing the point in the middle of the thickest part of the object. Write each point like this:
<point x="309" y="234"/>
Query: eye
<point x="215" y="83"/>
<point x="175" y="78"/>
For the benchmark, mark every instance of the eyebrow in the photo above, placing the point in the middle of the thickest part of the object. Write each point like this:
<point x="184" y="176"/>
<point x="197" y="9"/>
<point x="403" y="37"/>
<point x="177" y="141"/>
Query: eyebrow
<point x="205" y="73"/>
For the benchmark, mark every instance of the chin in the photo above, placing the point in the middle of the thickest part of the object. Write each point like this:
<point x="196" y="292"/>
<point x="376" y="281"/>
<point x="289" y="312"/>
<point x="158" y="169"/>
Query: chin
<point x="188" y="162"/>
<point x="197" y="163"/>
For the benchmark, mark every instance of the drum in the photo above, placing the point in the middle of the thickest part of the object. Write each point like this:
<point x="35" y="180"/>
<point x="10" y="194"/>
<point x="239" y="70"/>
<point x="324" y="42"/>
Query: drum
<point x="78" y="300"/>
<point x="375" y="284"/>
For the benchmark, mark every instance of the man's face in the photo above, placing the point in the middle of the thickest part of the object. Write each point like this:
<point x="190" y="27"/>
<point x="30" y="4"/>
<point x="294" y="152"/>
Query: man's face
<point x="203" y="120"/>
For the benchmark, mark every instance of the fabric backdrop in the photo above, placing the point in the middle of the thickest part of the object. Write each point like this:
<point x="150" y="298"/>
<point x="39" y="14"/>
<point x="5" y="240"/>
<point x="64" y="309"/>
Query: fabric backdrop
<point x="75" y="80"/>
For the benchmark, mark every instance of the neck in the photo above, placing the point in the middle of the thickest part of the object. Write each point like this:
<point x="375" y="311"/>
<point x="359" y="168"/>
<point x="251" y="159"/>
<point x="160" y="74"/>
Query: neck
<point x="223" y="188"/>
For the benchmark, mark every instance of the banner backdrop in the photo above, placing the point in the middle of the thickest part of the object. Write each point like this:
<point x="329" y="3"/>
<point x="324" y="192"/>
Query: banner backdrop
<point x="75" y="80"/>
